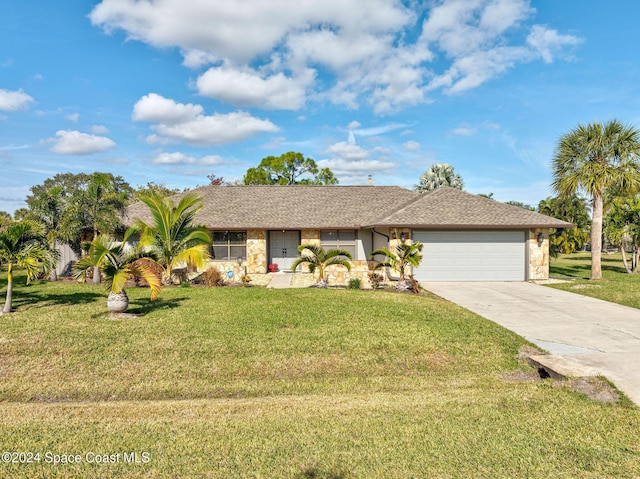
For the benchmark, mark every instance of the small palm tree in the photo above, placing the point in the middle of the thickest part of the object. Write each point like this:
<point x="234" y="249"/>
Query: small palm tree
<point x="23" y="244"/>
<point x="118" y="263"/>
<point x="171" y="236"/>
<point x="405" y="255"/>
<point x="317" y="259"/>
<point x="439" y="175"/>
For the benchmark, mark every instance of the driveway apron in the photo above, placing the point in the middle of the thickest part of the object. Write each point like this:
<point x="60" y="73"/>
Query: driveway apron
<point x="585" y="336"/>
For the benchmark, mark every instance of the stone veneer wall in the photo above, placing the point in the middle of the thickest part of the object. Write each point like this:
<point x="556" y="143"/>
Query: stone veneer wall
<point x="256" y="252"/>
<point x="538" y="254"/>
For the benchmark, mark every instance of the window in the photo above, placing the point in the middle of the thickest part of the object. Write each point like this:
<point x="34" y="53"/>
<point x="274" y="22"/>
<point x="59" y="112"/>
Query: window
<point x="339" y="239"/>
<point x="229" y="245"/>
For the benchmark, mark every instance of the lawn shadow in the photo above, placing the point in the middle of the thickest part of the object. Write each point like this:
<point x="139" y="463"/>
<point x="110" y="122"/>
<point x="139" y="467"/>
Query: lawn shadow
<point x="142" y="307"/>
<point x="38" y="299"/>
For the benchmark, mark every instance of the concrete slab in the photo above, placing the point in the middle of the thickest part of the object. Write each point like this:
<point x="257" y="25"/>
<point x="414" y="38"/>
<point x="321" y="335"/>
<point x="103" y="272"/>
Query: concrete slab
<point x="582" y="333"/>
<point x="280" y="281"/>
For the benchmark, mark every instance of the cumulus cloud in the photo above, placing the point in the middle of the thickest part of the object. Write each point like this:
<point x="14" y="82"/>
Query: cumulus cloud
<point x="74" y="117"/>
<point x="388" y="55"/>
<point x="464" y="131"/>
<point x="352" y="163"/>
<point x="14" y="100"/>
<point x="71" y="142"/>
<point x="182" y="159"/>
<point x="248" y="88"/>
<point x="186" y="123"/>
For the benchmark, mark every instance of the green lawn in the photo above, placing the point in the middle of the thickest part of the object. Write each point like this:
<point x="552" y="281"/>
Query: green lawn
<point x="616" y="285"/>
<point x="307" y="383"/>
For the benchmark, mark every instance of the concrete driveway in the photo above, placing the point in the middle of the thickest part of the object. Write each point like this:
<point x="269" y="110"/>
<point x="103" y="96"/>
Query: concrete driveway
<point x="585" y="336"/>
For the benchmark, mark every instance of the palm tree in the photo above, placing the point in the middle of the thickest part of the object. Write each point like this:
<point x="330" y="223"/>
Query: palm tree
<point x="98" y="206"/>
<point x="405" y="255"/>
<point x="48" y="209"/>
<point x="172" y="236"/>
<point x="439" y="175"/>
<point x="118" y="263"/>
<point x="23" y="244"/>
<point x="595" y="158"/>
<point x="622" y="227"/>
<point x="317" y="259"/>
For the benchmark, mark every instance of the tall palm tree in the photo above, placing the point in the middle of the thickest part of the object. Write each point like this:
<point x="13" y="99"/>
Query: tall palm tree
<point x="595" y="158"/>
<point x="405" y="255"/>
<point x="118" y="263"/>
<point x="23" y="244"/>
<point x="439" y="175"/>
<point x="171" y="236"/>
<point x="317" y="259"/>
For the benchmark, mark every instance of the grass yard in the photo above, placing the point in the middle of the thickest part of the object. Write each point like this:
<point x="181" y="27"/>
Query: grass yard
<point x="616" y="285"/>
<point x="305" y="383"/>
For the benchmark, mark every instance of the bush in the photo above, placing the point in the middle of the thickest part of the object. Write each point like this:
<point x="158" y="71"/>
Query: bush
<point x="375" y="279"/>
<point x="213" y="278"/>
<point x="354" y="283"/>
<point x="246" y="280"/>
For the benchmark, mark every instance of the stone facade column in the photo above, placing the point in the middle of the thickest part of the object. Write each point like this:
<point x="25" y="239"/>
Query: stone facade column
<point x="538" y="254"/>
<point x="256" y="252"/>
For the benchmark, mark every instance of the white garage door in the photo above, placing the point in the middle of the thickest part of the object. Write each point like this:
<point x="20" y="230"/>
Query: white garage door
<point x="471" y="256"/>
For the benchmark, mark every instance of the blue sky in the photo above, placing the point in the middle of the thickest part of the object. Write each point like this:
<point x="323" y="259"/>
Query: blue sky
<point x="170" y="91"/>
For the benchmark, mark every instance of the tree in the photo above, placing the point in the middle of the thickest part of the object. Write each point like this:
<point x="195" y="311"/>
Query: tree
<point x="595" y="158"/>
<point x="622" y="227"/>
<point x="291" y="168"/>
<point x="48" y="209"/>
<point x="520" y="204"/>
<point x="23" y="244"/>
<point x="161" y="188"/>
<point x="317" y="259"/>
<point x="405" y="255"/>
<point x="98" y="207"/>
<point x="573" y="209"/>
<point x="171" y="236"/>
<point x="5" y="218"/>
<point x="118" y="263"/>
<point x="439" y="175"/>
<point x="215" y="180"/>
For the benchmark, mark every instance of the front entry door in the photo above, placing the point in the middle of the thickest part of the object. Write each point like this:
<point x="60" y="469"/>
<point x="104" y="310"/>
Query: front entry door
<point x="283" y="248"/>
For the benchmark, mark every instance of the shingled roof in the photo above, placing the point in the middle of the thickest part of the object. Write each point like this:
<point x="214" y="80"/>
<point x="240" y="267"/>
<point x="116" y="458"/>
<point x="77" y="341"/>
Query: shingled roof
<point x="450" y="208"/>
<point x="351" y="207"/>
<point x="290" y="207"/>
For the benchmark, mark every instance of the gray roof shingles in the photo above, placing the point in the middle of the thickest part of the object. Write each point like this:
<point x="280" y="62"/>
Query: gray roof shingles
<point x="351" y="207"/>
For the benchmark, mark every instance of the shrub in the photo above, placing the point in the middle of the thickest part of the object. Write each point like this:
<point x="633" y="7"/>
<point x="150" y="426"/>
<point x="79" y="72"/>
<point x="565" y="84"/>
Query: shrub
<point x="354" y="283"/>
<point x="246" y="280"/>
<point x="375" y="279"/>
<point x="213" y="277"/>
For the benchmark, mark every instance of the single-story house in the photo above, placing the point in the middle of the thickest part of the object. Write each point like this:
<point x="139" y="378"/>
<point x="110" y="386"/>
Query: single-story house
<point x="466" y="237"/>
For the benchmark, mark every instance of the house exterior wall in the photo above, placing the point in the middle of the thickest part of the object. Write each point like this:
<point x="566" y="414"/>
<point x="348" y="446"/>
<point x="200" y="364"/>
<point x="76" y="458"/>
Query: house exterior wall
<point x="538" y="254"/>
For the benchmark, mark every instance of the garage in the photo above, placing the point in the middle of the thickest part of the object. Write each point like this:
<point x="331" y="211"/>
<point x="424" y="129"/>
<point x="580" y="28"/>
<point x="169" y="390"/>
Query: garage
<point x="471" y="255"/>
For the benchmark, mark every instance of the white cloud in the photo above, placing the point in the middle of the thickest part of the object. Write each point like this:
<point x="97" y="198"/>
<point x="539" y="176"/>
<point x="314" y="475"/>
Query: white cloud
<point x="248" y="88"/>
<point x="182" y="159"/>
<point x="279" y="55"/>
<point x="71" y="142"/>
<point x="99" y="129"/>
<point x="352" y="163"/>
<point x="186" y="123"/>
<point x="464" y="131"/>
<point x="549" y="42"/>
<point x="74" y="117"/>
<point x="412" y="146"/>
<point x="156" y="108"/>
<point x="14" y="100"/>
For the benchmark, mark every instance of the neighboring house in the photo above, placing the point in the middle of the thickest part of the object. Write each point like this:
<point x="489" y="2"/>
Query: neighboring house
<point x="466" y="237"/>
